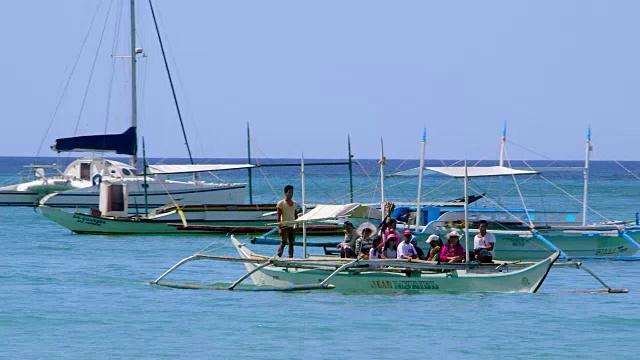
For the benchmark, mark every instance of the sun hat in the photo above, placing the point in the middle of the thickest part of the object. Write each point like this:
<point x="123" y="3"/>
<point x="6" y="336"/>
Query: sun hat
<point x="432" y="237"/>
<point x="366" y="226"/>
<point x="453" y="232"/>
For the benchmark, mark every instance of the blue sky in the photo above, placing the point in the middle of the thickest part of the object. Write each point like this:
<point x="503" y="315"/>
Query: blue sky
<point x="306" y="74"/>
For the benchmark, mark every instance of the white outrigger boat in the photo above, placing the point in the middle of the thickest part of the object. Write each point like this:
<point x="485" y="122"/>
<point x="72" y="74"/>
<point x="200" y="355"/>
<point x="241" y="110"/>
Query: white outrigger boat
<point x="386" y="275"/>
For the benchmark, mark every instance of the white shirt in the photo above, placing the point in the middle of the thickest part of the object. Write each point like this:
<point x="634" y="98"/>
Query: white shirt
<point x="482" y="242"/>
<point x="406" y="250"/>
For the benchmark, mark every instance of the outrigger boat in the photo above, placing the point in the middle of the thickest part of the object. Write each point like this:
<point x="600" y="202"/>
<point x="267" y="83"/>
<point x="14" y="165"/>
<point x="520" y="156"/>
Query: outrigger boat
<point x="378" y="276"/>
<point x="521" y="233"/>
<point x="386" y="275"/>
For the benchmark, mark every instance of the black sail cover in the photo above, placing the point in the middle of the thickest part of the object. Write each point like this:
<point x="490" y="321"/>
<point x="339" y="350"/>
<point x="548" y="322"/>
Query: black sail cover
<point x="125" y="143"/>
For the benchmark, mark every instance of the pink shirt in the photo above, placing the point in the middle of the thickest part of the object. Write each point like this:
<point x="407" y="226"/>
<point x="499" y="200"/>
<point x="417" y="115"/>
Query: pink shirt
<point x="457" y="250"/>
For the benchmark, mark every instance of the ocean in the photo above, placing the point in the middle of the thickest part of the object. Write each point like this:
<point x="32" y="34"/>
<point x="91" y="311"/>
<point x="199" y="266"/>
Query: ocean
<point x="81" y="296"/>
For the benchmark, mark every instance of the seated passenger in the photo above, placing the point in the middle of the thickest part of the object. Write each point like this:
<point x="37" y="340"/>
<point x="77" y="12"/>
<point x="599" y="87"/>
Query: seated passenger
<point x="364" y="243"/>
<point x="375" y="252"/>
<point x="484" y="244"/>
<point x="405" y="248"/>
<point x="390" y="248"/>
<point x="421" y="254"/>
<point x="453" y="251"/>
<point x="436" y="245"/>
<point x="347" y="247"/>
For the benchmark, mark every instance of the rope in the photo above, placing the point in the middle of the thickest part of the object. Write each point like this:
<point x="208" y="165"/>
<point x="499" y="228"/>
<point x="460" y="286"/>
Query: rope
<point x="173" y="91"/>
<point x="68" y="81"/>
<point x="574" y="198"/>
<point x="93" y="66"/>
<point x="629" y="171"/>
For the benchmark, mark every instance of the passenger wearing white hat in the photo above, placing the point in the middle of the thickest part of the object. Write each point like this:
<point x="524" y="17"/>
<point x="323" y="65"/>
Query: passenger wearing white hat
<point x="436" y="245"/>
<point x="453" y="251"/>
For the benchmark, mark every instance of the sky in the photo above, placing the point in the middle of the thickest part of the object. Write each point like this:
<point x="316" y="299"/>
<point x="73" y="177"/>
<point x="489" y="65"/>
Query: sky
<point x="306" y="75"/>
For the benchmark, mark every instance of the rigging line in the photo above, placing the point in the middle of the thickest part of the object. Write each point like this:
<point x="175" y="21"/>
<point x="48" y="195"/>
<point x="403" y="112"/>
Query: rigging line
<point x="178" y="76"/>
<point x="437" y="188"/>
<point x="333" y="199"/>
<point x="540" y="194"/>
<point x="93" y="67"/>
<point x="273" y="190"/>
<point x="498" y="205"/>
<point x="534" y="152"/>
<point x="629" y="171"/>
<point x="173" y="91"/>
<point x="574" y="198"/>
<point x="66" y="85"/>
<point x="524" y="206"/>
<point x="114" y="48"/>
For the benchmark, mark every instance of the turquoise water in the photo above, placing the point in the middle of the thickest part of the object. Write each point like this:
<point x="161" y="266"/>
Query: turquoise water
<point x="77" y="296"/>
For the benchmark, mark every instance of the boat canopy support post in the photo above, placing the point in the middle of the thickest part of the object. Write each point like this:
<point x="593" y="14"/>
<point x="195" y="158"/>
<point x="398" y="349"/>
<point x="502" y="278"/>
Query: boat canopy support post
<point x="350" y="168"/>
<point x="249" y="273"/>
<point x="249" y="162"/>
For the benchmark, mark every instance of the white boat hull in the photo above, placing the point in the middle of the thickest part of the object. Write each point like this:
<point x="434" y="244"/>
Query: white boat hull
<point x="527" y="279"/>
<point x="158" y="194"/>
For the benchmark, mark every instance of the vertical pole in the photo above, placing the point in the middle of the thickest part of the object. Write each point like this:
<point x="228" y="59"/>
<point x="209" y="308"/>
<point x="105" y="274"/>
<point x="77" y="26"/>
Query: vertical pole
<point x="249" y="162"/>
<point x="503" y="143"/>
<point x="144" y="174"/>
<point x="383" y="161"/>
<point x="304" y="209"/>
<point x="466" y="212"/>
<point x="350" y="168"/>
<point x="134" y="97"/>
<point x="585" y="188"/>
<point x="420" y="173"/>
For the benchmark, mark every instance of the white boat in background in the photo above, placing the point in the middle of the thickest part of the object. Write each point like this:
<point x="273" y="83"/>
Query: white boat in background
<point x="77" y="186"/>
<point x="29" y="193"/>
<point x="159" y="190"/>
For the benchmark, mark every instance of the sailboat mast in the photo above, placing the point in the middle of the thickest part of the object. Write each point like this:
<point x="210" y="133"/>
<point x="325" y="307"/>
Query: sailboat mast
<point x="503" y="144"/>
<point x="585" y="188"/>
<point x="420" y="173"/>
<point x="134" y="97"/>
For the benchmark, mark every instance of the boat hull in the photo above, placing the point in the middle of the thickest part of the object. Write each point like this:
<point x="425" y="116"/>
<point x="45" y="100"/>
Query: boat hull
<point x="575" y="244"/>
<point x="527" y="279"/>
<point x="170" y="222"/>
<point x="158" y="194"/>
